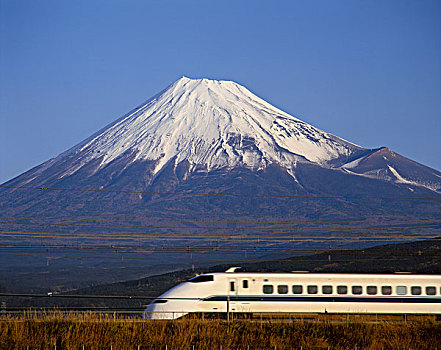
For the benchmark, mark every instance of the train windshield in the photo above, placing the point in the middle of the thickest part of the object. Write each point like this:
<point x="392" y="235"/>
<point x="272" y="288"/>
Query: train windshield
<point x="159" y="301"/>
<point x="202" y="278"/>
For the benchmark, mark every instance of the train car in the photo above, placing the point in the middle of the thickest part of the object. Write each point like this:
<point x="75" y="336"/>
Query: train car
<point x="240" y="292"/>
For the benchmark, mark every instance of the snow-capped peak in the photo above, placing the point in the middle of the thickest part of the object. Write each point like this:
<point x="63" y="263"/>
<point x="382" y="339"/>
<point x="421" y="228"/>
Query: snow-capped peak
<point x="210" y="123"/>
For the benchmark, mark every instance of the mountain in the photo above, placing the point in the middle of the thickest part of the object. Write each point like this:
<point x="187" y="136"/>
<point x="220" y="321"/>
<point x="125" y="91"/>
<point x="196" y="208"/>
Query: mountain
<point x="201" y="125"/>
<point x="206" y="169"/>
<point x="209" y="136"/>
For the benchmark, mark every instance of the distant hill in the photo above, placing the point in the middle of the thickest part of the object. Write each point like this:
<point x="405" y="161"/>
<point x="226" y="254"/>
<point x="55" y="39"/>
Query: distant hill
<point x="417" y="257"/>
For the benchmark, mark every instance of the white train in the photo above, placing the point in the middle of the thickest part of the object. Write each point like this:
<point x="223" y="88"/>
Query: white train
<point x="237" y="292"/>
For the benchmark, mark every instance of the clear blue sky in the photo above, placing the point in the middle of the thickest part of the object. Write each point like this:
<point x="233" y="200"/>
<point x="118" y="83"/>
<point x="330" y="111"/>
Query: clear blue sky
<point x="367" y="71"/>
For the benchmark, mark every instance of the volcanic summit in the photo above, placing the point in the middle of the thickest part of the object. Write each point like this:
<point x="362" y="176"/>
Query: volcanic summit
<point x="214" y="136"/>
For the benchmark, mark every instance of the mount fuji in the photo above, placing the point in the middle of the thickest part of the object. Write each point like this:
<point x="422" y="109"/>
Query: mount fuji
<point x="209" y="158"/>
<point x="201" y="126"/>
<point x="209" y="136"/>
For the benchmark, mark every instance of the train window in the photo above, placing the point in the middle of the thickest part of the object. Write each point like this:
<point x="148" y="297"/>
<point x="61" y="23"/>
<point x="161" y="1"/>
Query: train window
<point x="312" y="289"/>
<point x="371" y="290"/>
<point x="342" y="289"/>
<point x="202" y="278"/>
<point x="415" y="290"/>
<point x="297" y="289"/>
<point x="430" y="290"/>
<point x="386" y="290"/>
<point x="159" y="301"/>
<point x="268" y="289"/>
<point x="232" y="287"/>
<point x="245" y="283"/>
<point x="401" y="290"/>
<point x="282" y="289"/>
<point x="327" y="289"/>
<point x="357" y="290"/>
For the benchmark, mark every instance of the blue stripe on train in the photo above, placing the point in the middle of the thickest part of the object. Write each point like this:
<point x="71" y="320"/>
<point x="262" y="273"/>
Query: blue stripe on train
<point x="349" y="299"/>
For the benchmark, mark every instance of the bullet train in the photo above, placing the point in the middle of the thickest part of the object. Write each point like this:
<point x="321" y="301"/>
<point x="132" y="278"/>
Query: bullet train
<point x="302" y="292"/>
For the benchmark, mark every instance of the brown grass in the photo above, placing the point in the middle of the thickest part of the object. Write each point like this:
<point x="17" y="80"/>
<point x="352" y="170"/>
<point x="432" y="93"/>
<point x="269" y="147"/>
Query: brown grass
<point x="73" y="331"/>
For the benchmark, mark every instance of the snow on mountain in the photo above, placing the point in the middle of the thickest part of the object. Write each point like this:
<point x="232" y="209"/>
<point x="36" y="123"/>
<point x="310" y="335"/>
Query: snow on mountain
<point x="207" y="125"/>
<point x="213" y="124"/>
<point x="386" y="165"/>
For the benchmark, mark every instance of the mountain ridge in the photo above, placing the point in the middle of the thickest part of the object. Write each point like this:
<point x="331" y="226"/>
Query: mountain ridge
<point x="213" y="124"/>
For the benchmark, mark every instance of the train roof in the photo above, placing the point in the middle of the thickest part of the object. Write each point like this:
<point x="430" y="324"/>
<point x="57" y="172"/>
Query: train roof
<point x="396" y="275"/>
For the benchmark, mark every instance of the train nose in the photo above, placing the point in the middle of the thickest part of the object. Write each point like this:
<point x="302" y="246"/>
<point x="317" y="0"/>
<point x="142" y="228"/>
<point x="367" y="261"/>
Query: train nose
<point x="161" y="309"/>
<point x="155" y="312"/>
<point x="149" y="312"/>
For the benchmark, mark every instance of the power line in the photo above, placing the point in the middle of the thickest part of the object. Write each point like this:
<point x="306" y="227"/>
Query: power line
<point x="7" y="220"/>
<point x="357" y="258"/>
<point x="242" y="233"/>
<point x="80" y="296"/>
<point x="211" y="250"/>
<point x="135" y="249"/>
<point x="156" y="248"/>
<point x="94" y="219"/>
<point x="219" y="194"/>
<point x="104" y="309"/>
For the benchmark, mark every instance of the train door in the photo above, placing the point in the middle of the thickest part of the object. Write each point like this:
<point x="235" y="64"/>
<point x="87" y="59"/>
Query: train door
<point x="232" y="287"/>
<point x="232" y="294"/>
<point x="243" y="305"/>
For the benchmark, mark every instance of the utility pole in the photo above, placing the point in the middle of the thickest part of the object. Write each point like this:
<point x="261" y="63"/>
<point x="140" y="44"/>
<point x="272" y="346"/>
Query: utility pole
<point x="228" y="308"/>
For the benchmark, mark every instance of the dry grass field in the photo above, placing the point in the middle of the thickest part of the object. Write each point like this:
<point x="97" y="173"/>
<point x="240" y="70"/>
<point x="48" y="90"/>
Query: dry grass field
<point x="88" y="331"/>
